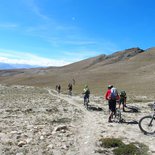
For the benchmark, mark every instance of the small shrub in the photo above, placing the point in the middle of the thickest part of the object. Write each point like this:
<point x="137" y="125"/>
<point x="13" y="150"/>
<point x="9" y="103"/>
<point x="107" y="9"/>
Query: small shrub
<point x="122" y="149"/>
<point x="111" y="142"/>
<point x="142" y="148"/>
<point x="129" y="149"/>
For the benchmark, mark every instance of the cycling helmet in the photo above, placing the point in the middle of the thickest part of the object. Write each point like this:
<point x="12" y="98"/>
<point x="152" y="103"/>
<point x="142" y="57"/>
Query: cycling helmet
<point x="110" y="86"/>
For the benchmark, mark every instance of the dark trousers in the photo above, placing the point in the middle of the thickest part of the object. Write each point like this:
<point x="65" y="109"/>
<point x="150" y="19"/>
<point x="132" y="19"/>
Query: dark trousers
<point x="112" y="105"/>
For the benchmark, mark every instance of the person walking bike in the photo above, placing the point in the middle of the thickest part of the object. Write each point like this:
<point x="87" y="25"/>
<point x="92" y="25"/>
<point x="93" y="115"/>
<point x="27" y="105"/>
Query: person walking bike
<point x="112" y="96"/>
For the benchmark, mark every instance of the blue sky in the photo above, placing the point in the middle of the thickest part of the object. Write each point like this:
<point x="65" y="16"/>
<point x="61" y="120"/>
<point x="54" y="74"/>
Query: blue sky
<point x="58" y="32"/>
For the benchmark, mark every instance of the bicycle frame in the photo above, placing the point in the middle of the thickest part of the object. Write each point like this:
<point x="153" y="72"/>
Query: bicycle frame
<point x="118" y="116"/>
<point x="153" y="117"/>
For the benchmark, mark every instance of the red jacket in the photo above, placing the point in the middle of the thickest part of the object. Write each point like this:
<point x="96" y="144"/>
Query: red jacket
<point x="107" y="95"/>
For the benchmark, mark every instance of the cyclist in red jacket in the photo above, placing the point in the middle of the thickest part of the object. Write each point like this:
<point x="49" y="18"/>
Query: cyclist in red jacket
<point x="112" y="96"/>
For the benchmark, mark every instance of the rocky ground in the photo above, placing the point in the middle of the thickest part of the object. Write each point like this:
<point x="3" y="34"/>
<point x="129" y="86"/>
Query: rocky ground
<point x="39" y="121"/>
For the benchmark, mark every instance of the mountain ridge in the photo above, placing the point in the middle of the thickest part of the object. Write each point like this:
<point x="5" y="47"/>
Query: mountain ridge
<point x="114" y="57"/>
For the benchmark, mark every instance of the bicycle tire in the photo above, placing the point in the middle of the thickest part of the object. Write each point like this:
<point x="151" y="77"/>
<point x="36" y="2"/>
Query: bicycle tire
<point x="144" y="125"/>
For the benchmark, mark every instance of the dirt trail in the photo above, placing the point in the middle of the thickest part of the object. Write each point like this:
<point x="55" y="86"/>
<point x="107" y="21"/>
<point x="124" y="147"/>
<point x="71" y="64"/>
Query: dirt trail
<point x="89" y="129"/>
<point x="94" y="126"/>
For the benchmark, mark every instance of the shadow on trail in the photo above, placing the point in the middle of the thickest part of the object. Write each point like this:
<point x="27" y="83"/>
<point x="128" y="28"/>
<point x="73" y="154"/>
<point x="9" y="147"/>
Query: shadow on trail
<point x="131" y="122"/>
<point x="123" y="121"/>
<point x="94" y="108"/>
<point x="132" y="109"/>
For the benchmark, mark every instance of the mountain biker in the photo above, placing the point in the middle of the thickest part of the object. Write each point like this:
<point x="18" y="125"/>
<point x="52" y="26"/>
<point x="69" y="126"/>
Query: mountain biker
<point x="59" y="88"/>
<point x="70" y="88"/>
<point x="122" y="99"/>
<point x="112" y="96"/>
<point x="86" y="93"/>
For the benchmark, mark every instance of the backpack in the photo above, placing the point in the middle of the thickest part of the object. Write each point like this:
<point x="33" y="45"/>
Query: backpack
<point x="122" y="93"/>
<point x="114" y="94"/>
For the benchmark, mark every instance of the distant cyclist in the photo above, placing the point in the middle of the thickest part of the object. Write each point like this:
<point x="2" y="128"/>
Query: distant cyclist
<point x="86" y="93"/>
<point x="70" y="87"/>
<point x="59" y="88"/>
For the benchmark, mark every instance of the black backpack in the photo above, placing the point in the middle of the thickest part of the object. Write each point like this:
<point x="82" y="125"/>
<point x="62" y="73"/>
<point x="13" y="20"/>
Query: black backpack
<point x="123" y="93"/>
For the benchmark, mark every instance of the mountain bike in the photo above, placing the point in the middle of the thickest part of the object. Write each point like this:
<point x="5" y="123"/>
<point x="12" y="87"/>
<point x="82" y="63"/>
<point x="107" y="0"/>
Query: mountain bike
<point x="147" y="123"/>
<point x="118" y="116"/>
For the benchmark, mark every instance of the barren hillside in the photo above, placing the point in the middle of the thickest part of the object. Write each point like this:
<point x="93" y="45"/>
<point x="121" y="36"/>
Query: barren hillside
<point x="130" y="69"/>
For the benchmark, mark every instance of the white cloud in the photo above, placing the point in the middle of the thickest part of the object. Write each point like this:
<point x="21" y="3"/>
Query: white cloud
<point x="36" y="9"/>
<point x="79" y="42"/>
<point x="8" y="25"/>
<point x="15" y="57"/>
<point x="81" y="53"/>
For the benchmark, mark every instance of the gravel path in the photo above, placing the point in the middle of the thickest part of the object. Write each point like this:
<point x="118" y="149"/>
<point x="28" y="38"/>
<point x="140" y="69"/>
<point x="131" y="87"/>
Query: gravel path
<point x="88" y="130"/>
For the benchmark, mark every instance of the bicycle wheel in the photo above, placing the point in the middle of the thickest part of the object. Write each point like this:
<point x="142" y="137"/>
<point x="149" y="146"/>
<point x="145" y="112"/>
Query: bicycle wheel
<point x="147" y="125"/>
